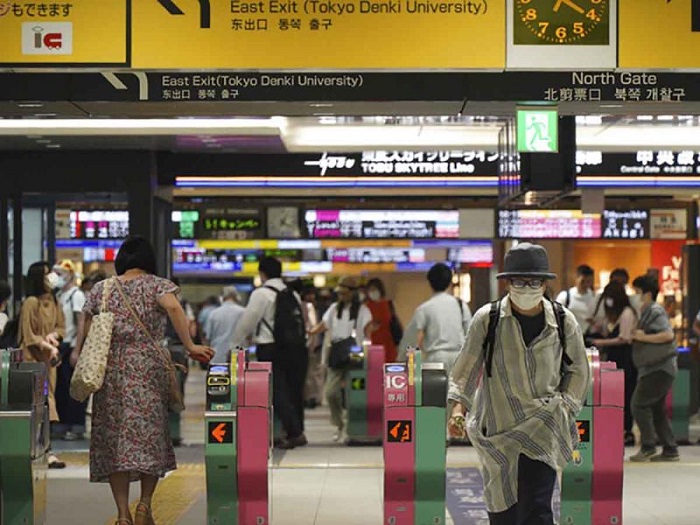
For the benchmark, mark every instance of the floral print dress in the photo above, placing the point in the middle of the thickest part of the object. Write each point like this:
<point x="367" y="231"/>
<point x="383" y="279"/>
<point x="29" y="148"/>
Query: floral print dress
<point x="130" y="412"/>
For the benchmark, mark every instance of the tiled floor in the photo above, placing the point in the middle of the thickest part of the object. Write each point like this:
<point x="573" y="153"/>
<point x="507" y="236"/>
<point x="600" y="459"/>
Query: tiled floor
<point x="329" y="484"/>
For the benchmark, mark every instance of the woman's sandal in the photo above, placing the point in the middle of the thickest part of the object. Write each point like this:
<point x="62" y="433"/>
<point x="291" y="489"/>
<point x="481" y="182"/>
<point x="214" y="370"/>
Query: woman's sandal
<point x="143" y="515"/>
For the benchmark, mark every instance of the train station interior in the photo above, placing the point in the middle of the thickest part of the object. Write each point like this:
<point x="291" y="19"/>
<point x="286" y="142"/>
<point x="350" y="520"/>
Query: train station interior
<point x="352" y="142"/>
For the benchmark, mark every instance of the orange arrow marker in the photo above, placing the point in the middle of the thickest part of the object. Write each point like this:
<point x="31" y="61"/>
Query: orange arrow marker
<point x="395" y="431"/>
<point x="219" y="432"/>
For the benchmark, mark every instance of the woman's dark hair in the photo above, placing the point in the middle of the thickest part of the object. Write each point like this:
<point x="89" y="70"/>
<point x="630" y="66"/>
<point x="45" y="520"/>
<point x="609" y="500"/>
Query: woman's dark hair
<point x="379" y="285"/>
<point x="615" y="291"/>
<point x="36" y="277"/>
<point x="5" y="291"/>
<point x="354" y="306"/>
<point x="136" y="252"/>
<point x="647" y="284"/>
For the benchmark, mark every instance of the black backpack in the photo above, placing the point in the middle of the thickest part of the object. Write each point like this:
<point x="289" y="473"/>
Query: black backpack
<point x="490" y="341"/>
<point x="10" y="334"/>
<point x="289" y="331"/>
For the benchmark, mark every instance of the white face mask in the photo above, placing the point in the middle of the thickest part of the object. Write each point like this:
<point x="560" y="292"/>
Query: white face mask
<point x="361" y="296"/>
<point x="526" y="298"/>
<point x="609" y="302"/>
<point x="53" y="280"/>
<point x="374" y="295"/>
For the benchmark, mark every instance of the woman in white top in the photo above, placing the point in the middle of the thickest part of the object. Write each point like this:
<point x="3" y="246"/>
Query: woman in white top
<point x="345" y="318"/>
<point x="616" y="345"/>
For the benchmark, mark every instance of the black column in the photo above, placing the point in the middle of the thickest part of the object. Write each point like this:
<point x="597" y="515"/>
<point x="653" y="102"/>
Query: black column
<point x="4" y="237"/>
<point x="50" y="212"/>
<point x="17" y="236"/>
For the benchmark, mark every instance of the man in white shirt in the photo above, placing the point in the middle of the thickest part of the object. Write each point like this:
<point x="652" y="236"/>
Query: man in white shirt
<point x="288" y="365"/>
<point x="439" y="325"/>
<point x="221" y="324"/>
<point x="72" y="300"/>
<point x="580" y="299"/>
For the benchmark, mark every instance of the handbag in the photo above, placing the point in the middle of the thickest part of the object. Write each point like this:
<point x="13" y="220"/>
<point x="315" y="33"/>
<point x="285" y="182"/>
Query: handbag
<point x="395" y="326"/>
<point x="89" y="373"/>
<point x="651" y="354"/>
<point x="176" y="402"/>
<point x="339" y="356"/>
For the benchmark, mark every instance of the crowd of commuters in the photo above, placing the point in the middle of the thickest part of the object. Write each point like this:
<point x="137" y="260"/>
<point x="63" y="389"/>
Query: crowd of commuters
<point x="302" y="331"/>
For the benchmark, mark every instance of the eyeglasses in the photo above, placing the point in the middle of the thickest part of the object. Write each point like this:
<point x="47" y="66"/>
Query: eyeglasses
<point x="522" y="283"/>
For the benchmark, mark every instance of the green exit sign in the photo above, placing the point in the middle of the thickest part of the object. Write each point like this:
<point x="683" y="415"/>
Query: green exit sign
<point x="538" y="130"/>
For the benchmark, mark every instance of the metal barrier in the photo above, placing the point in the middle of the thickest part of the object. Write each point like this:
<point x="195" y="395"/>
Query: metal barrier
<point x="24" y="440"/>
<point x="363" y="395"/>
<point x="237" y="423"/>
<point x="591" y="492"/>
<point x="415" y="396"/>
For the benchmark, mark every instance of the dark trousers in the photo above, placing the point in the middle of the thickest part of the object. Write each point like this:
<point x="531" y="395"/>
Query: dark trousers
<point x="71" y="413"/>
<point x="535" y="489"/>
<point x="288" y="379"/>
<point x="649" y="409"/>
<point x="622" y="357"/>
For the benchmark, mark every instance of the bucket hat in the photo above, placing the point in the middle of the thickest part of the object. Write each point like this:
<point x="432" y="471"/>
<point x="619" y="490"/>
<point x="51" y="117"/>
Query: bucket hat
<point x="526" y="260"/>
<point x="347" y="282"/>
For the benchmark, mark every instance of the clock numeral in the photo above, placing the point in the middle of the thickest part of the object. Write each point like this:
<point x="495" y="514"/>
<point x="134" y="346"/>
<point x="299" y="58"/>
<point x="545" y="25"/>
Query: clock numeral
<point x="593" y="15"/>
<point x="561" y="33"/>
<point x="543" y="27"/>
<point x="579" y="29"/>
<point x="530" y="14"/>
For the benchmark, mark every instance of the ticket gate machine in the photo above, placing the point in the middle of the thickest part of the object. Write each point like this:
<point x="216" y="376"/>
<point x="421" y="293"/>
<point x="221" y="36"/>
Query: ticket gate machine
<point x="237" y="451"/>
<point x="591" y="491"/>
<point x="415" y="398"/>
<point x="24" y="440"/>
<point x="363" y="395"/>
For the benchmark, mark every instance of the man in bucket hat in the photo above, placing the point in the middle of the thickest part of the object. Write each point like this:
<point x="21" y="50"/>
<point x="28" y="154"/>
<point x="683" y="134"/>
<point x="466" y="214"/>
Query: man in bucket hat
<point x="518" y="397"/>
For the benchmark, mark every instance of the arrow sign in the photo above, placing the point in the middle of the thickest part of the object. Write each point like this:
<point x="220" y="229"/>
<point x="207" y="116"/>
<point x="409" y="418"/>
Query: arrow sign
<point x="394" y="432"/>
<point x="220" y="432"/>
<point x="204" y="11"/>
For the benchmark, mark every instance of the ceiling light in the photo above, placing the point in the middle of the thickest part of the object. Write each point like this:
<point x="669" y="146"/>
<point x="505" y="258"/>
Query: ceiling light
<point x="30" y="105"/>
<point x="43" y="141"/>
<point x="53" y="146"/>
<point x="611" y="105"/>
<point x="321" y="105"/>
<point x="140" y="127"/>
<point x="645" y="117"/>
<point x="665" y="118"/>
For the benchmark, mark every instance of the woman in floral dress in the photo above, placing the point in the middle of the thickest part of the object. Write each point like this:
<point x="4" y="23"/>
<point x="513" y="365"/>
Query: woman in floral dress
<point x="130" y="437"/>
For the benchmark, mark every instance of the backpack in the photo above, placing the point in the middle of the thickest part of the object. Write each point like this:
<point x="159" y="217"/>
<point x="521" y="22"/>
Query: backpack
<point x="490" y="341"/>
<point x="289" y="329"/>
<point x="461" y="313"/>
<point x="10" y="335"/>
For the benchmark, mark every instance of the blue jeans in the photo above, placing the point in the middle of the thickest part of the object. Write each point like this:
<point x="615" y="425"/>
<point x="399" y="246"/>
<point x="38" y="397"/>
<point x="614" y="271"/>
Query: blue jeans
<point x="535" y="489"/>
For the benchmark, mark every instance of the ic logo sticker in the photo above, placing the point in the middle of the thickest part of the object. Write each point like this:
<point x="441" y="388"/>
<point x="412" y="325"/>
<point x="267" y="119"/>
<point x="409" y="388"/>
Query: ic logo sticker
<point x="47" y="38"/>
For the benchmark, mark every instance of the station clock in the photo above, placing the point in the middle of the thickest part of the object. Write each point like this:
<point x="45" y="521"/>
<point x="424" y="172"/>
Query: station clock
<point x="283" y="222"/>
<point x="561" y="22"/>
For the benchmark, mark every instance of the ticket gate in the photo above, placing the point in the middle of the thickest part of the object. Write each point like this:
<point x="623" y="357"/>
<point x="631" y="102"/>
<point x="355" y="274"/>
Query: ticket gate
<point x="363" y="396"/>
<point x="591" y="488"/>
<point x="24" y="440"/>
<point x="678" y="400"/>
<point x="415" y="398"/>
<point x="237" y="451"/>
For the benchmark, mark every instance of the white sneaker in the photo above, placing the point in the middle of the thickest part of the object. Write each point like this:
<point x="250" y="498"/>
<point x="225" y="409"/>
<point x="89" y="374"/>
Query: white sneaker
<point x="338" y="436"/>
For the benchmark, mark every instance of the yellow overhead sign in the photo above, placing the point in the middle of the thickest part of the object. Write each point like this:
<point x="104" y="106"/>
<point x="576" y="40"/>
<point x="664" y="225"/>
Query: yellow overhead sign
<point x="75" y="32"/>
<point x="328" y="34"/>
<point x="659" y="34"/>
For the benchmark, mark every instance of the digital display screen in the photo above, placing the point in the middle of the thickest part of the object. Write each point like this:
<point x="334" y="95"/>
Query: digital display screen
<point x="229" y="223"/>
<point x="219" y="369"/>
<point x="628" y="224"/>
<point x="473" y="253"/>
<point x="382" y="224"/>
<point x="99" y="224"/>
<point x="199" y="260"/>
<point x="375" y="255"/>
<point x="548" y="224"/>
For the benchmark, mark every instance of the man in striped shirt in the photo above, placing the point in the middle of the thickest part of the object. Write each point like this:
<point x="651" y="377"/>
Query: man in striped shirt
<point x="521" y="404"/>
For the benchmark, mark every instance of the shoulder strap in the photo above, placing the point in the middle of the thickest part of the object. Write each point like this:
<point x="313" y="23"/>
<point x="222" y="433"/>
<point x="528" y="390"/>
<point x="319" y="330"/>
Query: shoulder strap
<point x="263" y="321"/>
<point x="490" y="340"/>
<point x="461" y="312"/>
<point x="560" y="316"/>
<point x="164" y="354"/>
<point x="568" y="297"/>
